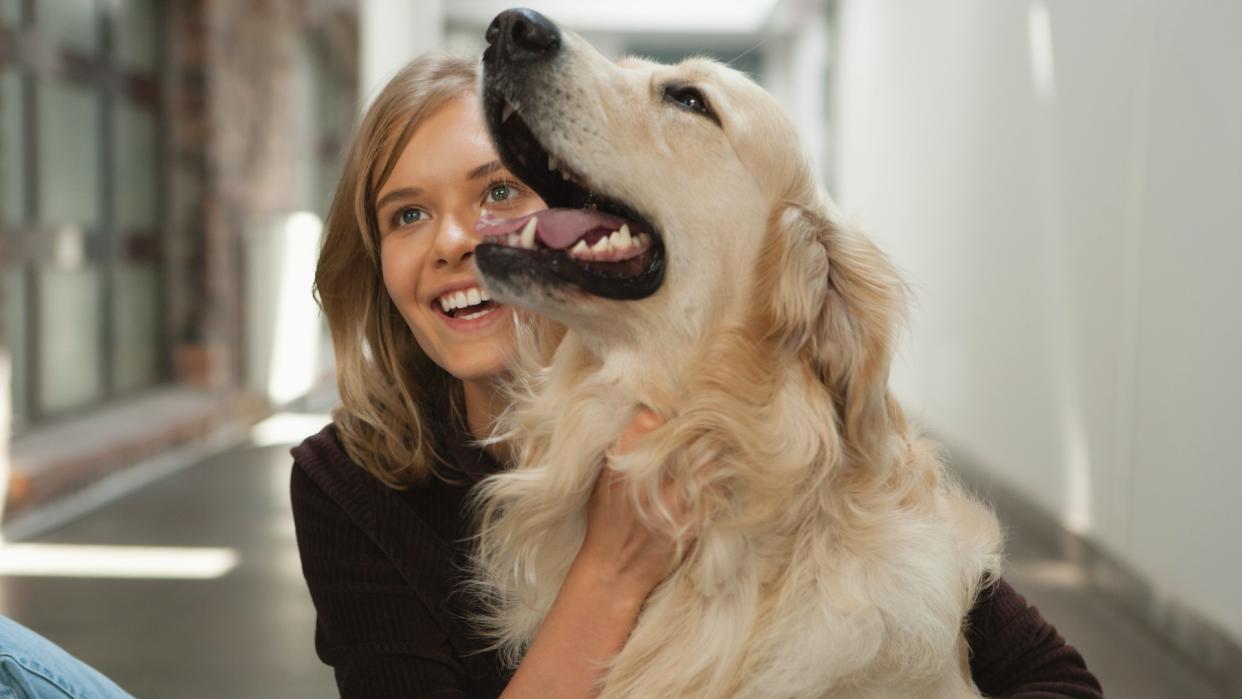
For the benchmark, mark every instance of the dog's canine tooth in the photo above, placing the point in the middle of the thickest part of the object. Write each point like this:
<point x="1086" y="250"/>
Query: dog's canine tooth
<point x="626" y="241"/>
<point x="508" y="112"/>
<point x="565" y="175"/>
<point x="580" y="250"/>
<point x="528" y="233"/>
<point x="616" y="242"/>
<point x="552" y="164"/>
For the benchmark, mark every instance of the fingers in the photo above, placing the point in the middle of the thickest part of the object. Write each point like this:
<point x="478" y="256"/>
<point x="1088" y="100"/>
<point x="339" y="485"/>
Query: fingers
<point x="645" y="422"/>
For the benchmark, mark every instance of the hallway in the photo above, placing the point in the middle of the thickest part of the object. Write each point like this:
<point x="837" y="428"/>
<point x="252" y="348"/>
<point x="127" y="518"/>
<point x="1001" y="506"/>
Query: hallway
<point x="247" y="631"/>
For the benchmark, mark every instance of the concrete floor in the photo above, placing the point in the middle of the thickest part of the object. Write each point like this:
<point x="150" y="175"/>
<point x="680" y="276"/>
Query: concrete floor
<point x="249" y="633"/>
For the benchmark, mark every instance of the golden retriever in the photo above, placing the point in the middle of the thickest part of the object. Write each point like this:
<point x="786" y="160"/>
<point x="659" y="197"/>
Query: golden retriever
<point x="697" y="267"/>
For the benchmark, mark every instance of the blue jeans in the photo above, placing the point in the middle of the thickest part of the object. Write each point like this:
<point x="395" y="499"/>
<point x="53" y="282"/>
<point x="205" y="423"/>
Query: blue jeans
<point x="32" y="667"/>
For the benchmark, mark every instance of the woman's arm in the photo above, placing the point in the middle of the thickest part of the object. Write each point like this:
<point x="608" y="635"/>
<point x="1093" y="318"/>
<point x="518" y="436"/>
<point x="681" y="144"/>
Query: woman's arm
<point x="620" y="563"/>
<point x="1015" y="653"/>
<point x="371" y="627"/>
<point x="376" y="632"/>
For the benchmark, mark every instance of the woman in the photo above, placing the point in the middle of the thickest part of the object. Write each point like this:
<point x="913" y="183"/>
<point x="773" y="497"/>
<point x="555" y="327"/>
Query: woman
<point x="380" y="496"/>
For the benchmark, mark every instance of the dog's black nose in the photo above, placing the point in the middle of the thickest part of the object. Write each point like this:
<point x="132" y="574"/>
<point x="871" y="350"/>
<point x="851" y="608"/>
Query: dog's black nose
<point x="523" y="35"/>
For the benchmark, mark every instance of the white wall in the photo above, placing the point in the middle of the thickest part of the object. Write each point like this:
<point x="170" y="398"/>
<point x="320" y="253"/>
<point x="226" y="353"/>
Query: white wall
<point x="1062" y="183"/>
<point x="391" y="33"/>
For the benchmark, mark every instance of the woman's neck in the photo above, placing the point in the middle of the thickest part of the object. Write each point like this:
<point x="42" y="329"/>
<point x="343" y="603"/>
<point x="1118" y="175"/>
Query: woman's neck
<point x="483" y="405"/>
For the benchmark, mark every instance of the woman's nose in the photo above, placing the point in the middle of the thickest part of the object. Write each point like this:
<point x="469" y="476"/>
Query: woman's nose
<point x="455" y="242"/>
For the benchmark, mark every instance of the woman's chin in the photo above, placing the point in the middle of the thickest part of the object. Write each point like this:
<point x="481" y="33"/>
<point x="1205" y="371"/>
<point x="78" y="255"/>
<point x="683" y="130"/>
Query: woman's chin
<point x="484" y="359"/>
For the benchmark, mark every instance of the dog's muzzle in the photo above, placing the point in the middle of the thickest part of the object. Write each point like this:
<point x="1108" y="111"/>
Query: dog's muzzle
<point x="586" y="238"/>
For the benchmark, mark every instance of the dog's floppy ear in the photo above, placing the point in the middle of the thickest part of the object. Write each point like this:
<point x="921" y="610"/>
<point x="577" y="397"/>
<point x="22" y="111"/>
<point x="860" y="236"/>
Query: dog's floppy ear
<point x="835" y="304"/>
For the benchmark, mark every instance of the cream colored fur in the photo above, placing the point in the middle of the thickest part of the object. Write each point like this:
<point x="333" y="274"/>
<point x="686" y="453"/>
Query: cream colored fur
<point x="834" y="556"/>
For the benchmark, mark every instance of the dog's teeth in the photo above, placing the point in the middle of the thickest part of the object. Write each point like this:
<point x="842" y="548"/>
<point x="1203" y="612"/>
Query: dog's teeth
<point x="643" y="241"/>
<point x="513" y="240"/>
<point x="528" y="233"/>
<point x="565" y="174"/>
<point x="601" y="247"/>
<point x="622" y="240"/>
<point x="472" y="298"/>
<point x="580" y="250"/>
<point x="552" y="164"/>
<point x="508" y="112"/>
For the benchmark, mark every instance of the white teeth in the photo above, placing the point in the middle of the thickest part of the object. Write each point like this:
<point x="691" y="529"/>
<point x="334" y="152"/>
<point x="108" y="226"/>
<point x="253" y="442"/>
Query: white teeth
<point x="565" y="174"/>
<point x="552" y="163"/>
<point x="620" y="240"/>
<point x="514" y="240"/>
<point x="580" y="250"/>
<point x="463" y="298"/>
<point x="508" y="112"/>
<point x="528" y="234"/>
<point x="643" y="241"/>
<point x="601" y="247"/>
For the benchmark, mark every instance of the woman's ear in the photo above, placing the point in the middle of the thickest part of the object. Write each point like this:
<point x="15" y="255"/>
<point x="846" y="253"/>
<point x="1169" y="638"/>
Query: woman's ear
<point x="837" y="301"/>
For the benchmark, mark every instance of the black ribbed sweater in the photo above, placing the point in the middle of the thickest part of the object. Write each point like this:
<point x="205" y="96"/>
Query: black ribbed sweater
<point x="384" y="569"/>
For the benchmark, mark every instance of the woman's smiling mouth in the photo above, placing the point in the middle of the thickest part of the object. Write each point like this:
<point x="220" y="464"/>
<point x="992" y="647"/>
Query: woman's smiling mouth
<point x="466" y="308"/>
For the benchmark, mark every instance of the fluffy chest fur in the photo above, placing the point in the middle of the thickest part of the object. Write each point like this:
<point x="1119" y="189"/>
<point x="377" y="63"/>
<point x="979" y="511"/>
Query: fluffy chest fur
<point x="810" y="576"/>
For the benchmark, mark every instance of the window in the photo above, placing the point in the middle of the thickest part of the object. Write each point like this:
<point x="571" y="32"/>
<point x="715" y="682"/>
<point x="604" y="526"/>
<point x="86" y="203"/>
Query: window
<point x="80" y="214"/>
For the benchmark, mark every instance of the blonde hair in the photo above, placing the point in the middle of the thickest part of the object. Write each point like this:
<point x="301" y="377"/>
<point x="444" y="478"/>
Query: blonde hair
<point x="393" y="396"/>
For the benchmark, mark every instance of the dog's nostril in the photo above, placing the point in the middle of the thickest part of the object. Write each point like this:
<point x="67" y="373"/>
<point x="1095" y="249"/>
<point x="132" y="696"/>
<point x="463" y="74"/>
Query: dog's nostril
<point x="524" y="35"/>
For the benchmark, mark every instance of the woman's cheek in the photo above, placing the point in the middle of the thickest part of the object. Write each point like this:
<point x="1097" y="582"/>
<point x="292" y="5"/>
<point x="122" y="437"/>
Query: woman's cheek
<point x="401" y="260"/>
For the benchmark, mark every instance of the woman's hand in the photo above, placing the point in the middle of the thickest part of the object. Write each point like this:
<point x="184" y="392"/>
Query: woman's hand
<point x="619" y="545"/>
<point x="621" y="561"/>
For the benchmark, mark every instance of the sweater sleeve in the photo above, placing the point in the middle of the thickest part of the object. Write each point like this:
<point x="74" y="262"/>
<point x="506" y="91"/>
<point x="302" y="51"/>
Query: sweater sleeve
<point x="371" y="628"/>
<point x="1015" y="653"/>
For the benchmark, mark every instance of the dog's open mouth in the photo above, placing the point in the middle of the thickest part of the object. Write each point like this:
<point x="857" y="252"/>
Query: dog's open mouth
<point x="585" y="238"/>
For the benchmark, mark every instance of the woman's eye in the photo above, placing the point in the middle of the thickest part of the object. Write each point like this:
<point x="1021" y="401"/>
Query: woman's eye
<point x="499" y="192"/>
<point x="408" y="216"/>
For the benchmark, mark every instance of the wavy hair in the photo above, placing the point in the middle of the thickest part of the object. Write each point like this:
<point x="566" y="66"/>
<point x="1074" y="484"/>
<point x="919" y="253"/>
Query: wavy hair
<point x="393" y="396"/>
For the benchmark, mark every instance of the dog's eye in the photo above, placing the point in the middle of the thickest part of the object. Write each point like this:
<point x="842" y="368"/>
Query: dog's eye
<point x="690" y="98"/>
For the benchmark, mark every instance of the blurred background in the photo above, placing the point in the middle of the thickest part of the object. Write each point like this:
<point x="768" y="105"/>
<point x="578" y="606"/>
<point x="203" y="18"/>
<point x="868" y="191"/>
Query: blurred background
<point x="1060" y="181"/>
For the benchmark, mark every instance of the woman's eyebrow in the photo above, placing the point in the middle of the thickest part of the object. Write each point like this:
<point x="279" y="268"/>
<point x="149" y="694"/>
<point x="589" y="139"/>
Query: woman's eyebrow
<point x="397" y="194"/>
<point x="484" y="169"/>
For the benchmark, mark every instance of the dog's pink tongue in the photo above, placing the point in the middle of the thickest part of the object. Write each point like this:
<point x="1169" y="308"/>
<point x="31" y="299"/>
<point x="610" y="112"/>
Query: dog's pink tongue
<point x="557" y="228"/>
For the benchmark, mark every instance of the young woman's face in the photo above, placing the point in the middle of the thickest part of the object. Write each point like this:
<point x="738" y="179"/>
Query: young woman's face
<point x="443" y="181"/>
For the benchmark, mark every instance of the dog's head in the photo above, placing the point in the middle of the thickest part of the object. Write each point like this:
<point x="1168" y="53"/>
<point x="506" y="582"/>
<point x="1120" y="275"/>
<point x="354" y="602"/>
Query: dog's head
<point x="656" y="175"/>
<point x="680" y="199"/>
